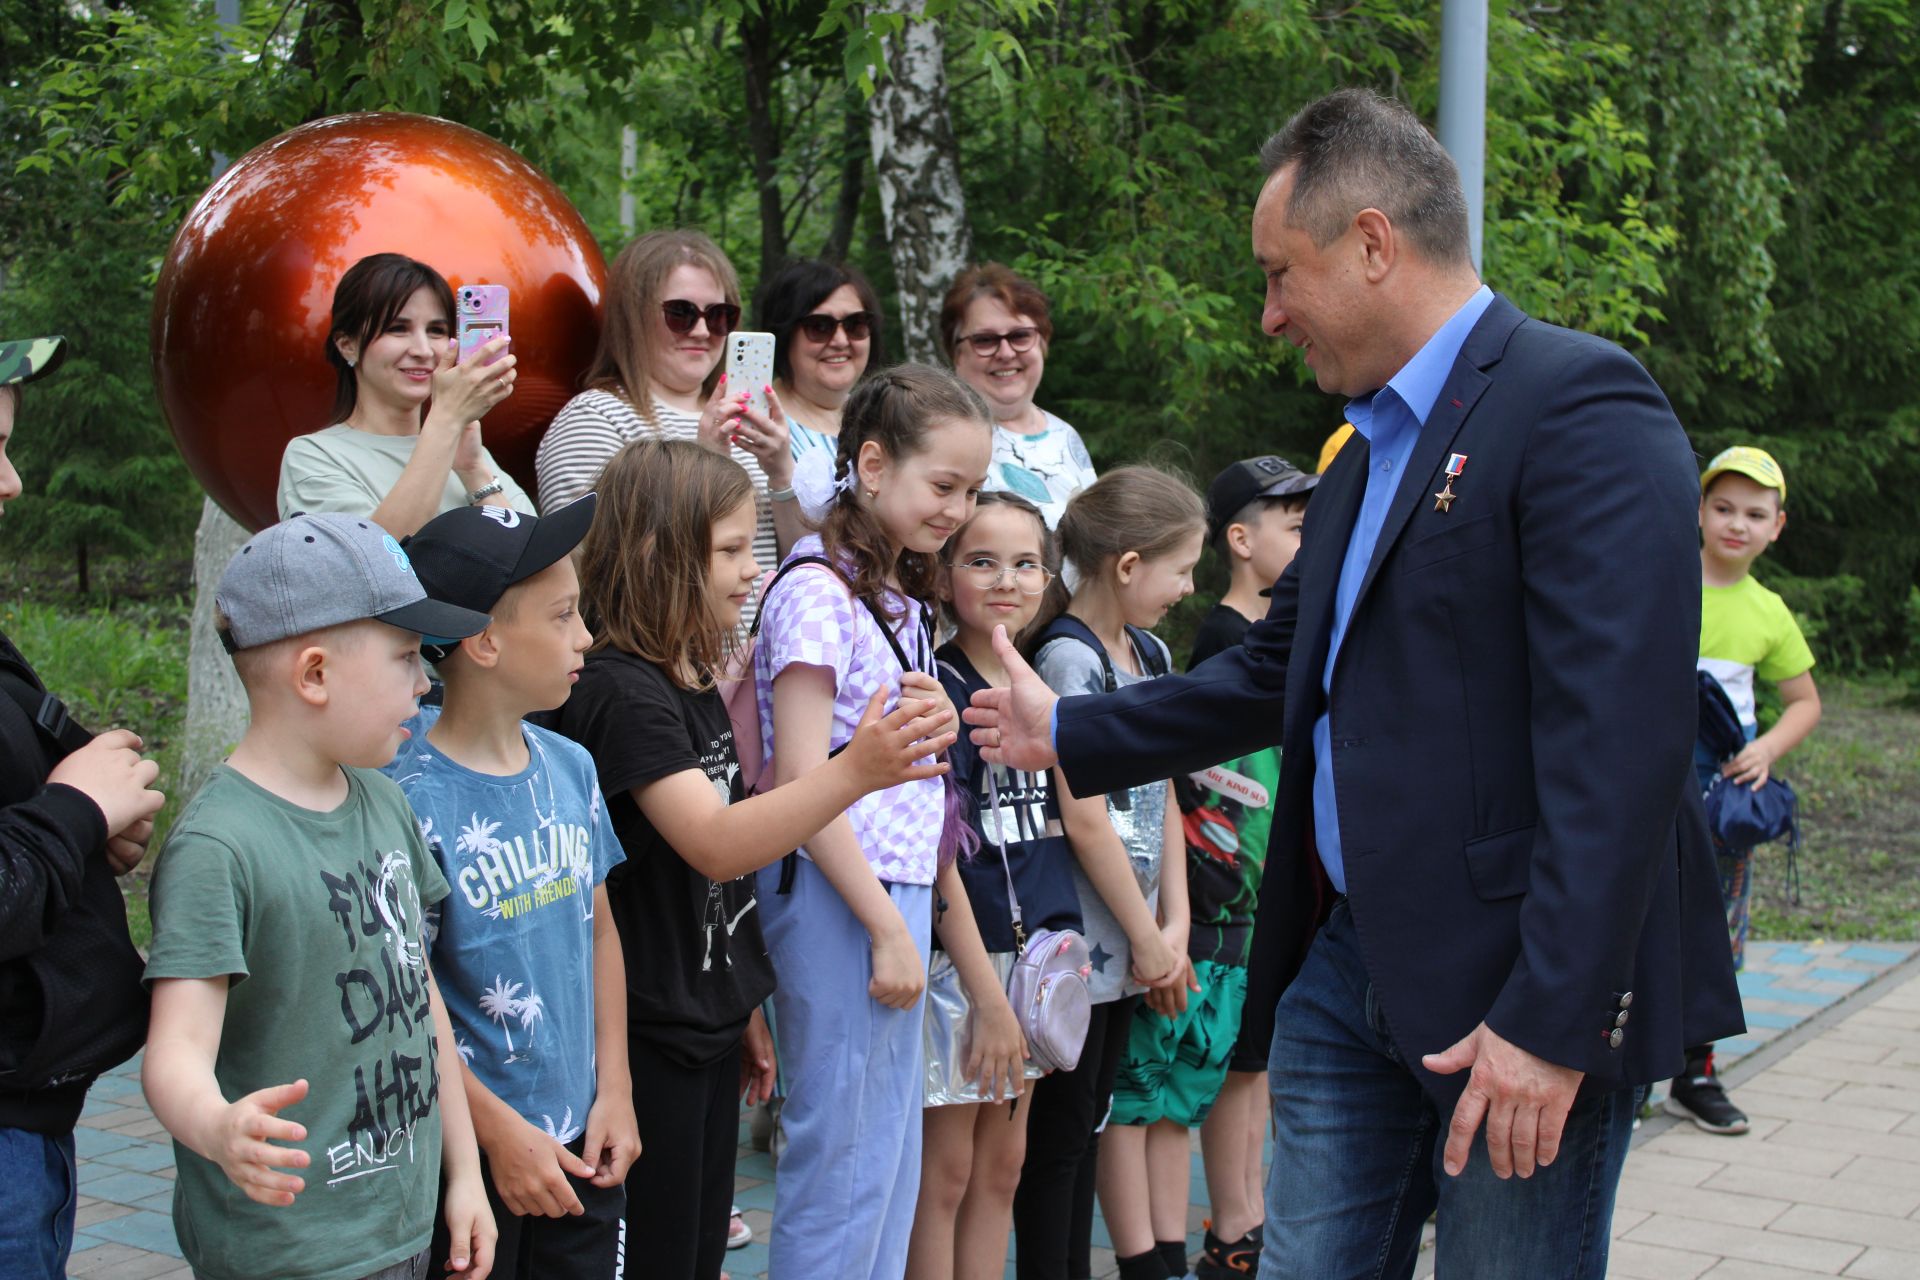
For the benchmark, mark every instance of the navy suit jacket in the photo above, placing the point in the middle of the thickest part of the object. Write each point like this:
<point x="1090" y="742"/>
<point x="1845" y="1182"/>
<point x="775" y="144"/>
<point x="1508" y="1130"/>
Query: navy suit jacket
<point x="1513" y="722"/>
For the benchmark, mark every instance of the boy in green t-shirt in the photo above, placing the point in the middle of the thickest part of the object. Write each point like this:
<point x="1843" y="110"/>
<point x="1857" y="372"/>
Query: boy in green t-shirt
<point x="1254" y="511"/>
<point x="1745" y="631"/>
<point x="288" y="944"/>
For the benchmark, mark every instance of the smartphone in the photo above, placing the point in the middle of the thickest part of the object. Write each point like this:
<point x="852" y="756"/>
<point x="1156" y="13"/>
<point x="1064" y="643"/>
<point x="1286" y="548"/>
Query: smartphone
<point x="750" y="365"/>
<point x="480" y="317"/>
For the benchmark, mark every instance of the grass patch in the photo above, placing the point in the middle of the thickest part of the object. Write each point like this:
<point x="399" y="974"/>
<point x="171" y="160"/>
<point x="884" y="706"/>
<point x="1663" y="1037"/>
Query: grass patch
<point x="120" y="667"/>
<point x="1858" y="778"/>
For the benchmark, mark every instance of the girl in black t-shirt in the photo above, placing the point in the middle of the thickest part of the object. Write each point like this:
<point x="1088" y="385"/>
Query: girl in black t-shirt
<point x="664" y="572"/>
<point x="996" y="567"/>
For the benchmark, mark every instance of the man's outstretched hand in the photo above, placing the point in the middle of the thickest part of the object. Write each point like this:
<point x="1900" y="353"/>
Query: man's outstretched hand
<point x="1014" y="726"/>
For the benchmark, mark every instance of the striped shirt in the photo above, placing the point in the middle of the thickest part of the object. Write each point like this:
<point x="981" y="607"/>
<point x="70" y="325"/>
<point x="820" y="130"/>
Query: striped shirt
<point x="595" y="425"/>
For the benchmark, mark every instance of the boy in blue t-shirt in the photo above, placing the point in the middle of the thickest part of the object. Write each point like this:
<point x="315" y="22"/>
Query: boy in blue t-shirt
<point x="525" y="945"/>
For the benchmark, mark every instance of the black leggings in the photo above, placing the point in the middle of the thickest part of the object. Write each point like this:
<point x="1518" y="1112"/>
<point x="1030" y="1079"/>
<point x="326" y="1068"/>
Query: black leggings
<point x="1053" y="1209"/>
<point x="680" y="1190"/>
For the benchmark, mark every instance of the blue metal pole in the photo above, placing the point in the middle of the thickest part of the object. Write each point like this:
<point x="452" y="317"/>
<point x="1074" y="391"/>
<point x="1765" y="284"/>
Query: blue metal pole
<point x="1463" y="103"/>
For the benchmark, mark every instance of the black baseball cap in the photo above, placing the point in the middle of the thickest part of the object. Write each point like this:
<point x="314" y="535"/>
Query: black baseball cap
<point x="470" y="556"/>
<point x="1267" y="476"/>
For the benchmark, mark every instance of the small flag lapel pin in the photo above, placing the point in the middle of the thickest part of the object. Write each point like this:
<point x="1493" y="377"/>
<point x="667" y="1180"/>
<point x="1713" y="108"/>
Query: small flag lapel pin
<point x="1443" y="500"/>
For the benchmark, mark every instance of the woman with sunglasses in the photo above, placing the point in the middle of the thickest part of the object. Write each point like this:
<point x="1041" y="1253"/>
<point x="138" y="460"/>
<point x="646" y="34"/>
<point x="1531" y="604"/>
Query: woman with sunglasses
<point x="995" y="327"/>
<point x="825" y="319"/>
<point x="672" y="299"/>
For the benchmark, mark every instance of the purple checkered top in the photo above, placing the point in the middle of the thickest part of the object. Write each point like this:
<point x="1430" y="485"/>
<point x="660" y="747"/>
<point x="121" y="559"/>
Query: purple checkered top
<point x="813" y="619"/>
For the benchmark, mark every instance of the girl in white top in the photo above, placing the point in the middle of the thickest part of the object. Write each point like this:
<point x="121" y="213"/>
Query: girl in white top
<point x="995" y="327"/>
<point x="392" y="349"/>
<point x="672" y="299"/>
<point x="825" y="318"/>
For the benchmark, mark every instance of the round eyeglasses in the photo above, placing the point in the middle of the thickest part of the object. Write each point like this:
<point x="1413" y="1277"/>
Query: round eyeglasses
<point x="985" y="344"/>
<point x="986" y="573"/>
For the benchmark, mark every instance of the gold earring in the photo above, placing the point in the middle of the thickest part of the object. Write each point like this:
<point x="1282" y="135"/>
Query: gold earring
<point x="873" y="493"/>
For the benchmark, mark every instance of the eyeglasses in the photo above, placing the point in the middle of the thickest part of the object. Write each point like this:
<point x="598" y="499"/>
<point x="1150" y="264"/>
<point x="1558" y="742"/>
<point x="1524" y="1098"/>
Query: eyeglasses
<point x="681" y="315"/>
<point x="986" y="573"/>
<point x="819" y="327"/>
<point x="985" y="344"/>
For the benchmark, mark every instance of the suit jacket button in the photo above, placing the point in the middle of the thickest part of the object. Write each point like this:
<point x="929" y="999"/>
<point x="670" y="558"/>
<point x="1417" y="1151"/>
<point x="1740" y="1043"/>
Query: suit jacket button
<point x="1614" y="1038"/>
<point x="1626" y="999"/>
<point x="1621" y="1021"/>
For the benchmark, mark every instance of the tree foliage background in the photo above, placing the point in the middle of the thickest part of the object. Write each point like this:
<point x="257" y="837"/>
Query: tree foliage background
<point x="1723" y="186"/>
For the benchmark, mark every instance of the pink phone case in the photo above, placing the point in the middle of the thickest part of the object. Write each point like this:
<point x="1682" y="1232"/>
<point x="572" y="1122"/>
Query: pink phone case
<point x="480" y="316"/>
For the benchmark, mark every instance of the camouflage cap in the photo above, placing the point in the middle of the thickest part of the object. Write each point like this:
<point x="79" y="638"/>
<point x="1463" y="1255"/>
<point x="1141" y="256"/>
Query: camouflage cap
<point x="25" y="359"/>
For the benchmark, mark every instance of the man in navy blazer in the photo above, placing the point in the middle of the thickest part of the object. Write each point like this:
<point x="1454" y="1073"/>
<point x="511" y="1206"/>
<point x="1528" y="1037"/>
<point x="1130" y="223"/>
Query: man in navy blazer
<point x="1490" y="911"/>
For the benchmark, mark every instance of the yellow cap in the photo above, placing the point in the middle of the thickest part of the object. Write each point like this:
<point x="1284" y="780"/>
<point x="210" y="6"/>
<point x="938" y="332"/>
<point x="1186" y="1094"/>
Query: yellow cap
<point x="1331" y="448"/>
<point x="1754" y="463"/>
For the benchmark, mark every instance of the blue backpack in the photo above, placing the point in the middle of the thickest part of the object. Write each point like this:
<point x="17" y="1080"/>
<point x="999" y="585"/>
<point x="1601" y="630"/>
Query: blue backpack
<point x="1739" y="816"/>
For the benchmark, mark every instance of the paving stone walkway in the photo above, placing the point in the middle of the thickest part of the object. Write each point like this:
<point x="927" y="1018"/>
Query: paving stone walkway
<point x="1828" y="1182"/>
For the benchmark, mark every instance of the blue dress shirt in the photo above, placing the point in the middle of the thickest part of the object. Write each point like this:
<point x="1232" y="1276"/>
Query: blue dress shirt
<point x="1391" y="420"/>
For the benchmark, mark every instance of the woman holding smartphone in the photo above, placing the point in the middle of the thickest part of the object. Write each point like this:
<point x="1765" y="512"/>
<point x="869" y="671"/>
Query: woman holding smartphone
<point x="826" y="323"/>
<point x="391" y="345"/>
<point x="672" y="299"/>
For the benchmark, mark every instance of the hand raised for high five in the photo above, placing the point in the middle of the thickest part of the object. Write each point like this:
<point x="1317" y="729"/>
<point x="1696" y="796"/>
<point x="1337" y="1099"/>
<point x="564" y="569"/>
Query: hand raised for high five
<point x="1014" y="726"/>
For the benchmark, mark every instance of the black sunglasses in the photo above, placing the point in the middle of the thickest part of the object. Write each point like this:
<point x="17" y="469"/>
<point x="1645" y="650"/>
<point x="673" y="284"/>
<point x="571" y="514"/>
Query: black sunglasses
<point x="819" y="327"/>
<point x="681" y="315"/>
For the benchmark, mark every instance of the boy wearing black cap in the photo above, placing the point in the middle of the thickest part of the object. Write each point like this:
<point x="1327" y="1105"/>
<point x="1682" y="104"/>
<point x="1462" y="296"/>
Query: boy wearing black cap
<point x="75" y="812"/>
<point x="1254" y="511"/>
<point x="288" y="967"/>
<point x="525" y="945"/>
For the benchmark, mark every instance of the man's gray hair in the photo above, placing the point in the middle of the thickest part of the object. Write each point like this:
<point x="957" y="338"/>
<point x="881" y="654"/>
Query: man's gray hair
<point x="1355" y="150"/>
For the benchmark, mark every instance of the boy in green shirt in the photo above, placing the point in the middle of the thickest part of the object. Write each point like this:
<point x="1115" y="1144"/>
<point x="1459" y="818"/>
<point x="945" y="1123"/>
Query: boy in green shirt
<point x="1745" y="631"/>
<point x="1254" y="512"/>
<point x="287" y="940"/>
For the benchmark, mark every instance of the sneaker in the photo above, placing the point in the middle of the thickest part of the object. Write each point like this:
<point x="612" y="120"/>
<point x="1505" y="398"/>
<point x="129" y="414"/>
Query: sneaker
<point x="739" y="1234"/>
<point x="1224" y="1260"/>
<point x="1704" y="1101"/>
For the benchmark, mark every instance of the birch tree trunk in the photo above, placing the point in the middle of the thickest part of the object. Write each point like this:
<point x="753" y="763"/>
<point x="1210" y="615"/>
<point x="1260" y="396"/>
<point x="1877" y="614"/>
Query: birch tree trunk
<point x="917" y="165"/>
<point x="216" y="703"/>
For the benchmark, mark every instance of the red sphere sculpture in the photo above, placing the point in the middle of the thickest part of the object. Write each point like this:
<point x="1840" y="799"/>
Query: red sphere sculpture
<point x="241" y="312"/>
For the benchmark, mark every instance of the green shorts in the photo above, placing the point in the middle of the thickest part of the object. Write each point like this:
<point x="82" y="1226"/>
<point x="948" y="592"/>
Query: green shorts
<point x="1175" y="1066"/>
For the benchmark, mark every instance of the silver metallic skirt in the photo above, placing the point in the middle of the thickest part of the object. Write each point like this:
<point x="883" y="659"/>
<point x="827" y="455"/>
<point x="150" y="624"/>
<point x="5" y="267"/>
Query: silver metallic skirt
<point x="948" y="1028"/>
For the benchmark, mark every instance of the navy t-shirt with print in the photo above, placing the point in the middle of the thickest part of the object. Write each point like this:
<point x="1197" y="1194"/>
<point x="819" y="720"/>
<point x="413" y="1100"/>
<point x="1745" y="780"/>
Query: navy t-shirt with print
<point x="1029" y="816"/>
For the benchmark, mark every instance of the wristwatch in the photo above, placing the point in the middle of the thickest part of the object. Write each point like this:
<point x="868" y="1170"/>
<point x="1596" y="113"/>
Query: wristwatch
<point x="781" y="495"/>
<point x="485" y="491"/>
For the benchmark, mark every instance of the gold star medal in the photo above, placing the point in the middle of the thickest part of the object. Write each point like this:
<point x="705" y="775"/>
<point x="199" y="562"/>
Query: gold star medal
<point x="1443" y="500"/>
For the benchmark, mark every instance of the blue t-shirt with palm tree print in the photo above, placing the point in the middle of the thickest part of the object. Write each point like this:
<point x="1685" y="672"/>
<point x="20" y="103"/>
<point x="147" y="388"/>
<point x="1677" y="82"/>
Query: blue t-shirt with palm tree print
<point x="513" y="942"/>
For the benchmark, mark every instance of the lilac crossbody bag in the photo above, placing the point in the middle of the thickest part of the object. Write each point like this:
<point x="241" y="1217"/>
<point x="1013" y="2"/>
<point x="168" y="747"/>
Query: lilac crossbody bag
<point x="1048" y="985"/>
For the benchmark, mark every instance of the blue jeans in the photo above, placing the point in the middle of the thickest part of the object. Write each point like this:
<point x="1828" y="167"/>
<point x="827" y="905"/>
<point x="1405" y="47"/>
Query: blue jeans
<point x="37" y="1181"/>
<point x="1357" y="1148"/>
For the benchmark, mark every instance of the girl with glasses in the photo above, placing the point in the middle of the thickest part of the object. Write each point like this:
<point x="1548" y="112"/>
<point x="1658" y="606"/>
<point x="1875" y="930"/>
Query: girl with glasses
<point x="996" y="328"/>
<point x="672" y="299"/>
<point x="995" y="571"/>
<point x="826" y="323"/>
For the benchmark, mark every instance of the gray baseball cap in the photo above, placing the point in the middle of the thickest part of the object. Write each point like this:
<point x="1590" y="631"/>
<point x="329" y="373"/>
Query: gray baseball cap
<point x="322" y="570"/>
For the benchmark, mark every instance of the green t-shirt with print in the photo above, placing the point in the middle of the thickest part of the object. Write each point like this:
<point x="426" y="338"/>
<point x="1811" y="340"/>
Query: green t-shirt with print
<point x="316" y="919"/>
<point x="1747" y="630"/>
<point x="1226" y="825"/>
